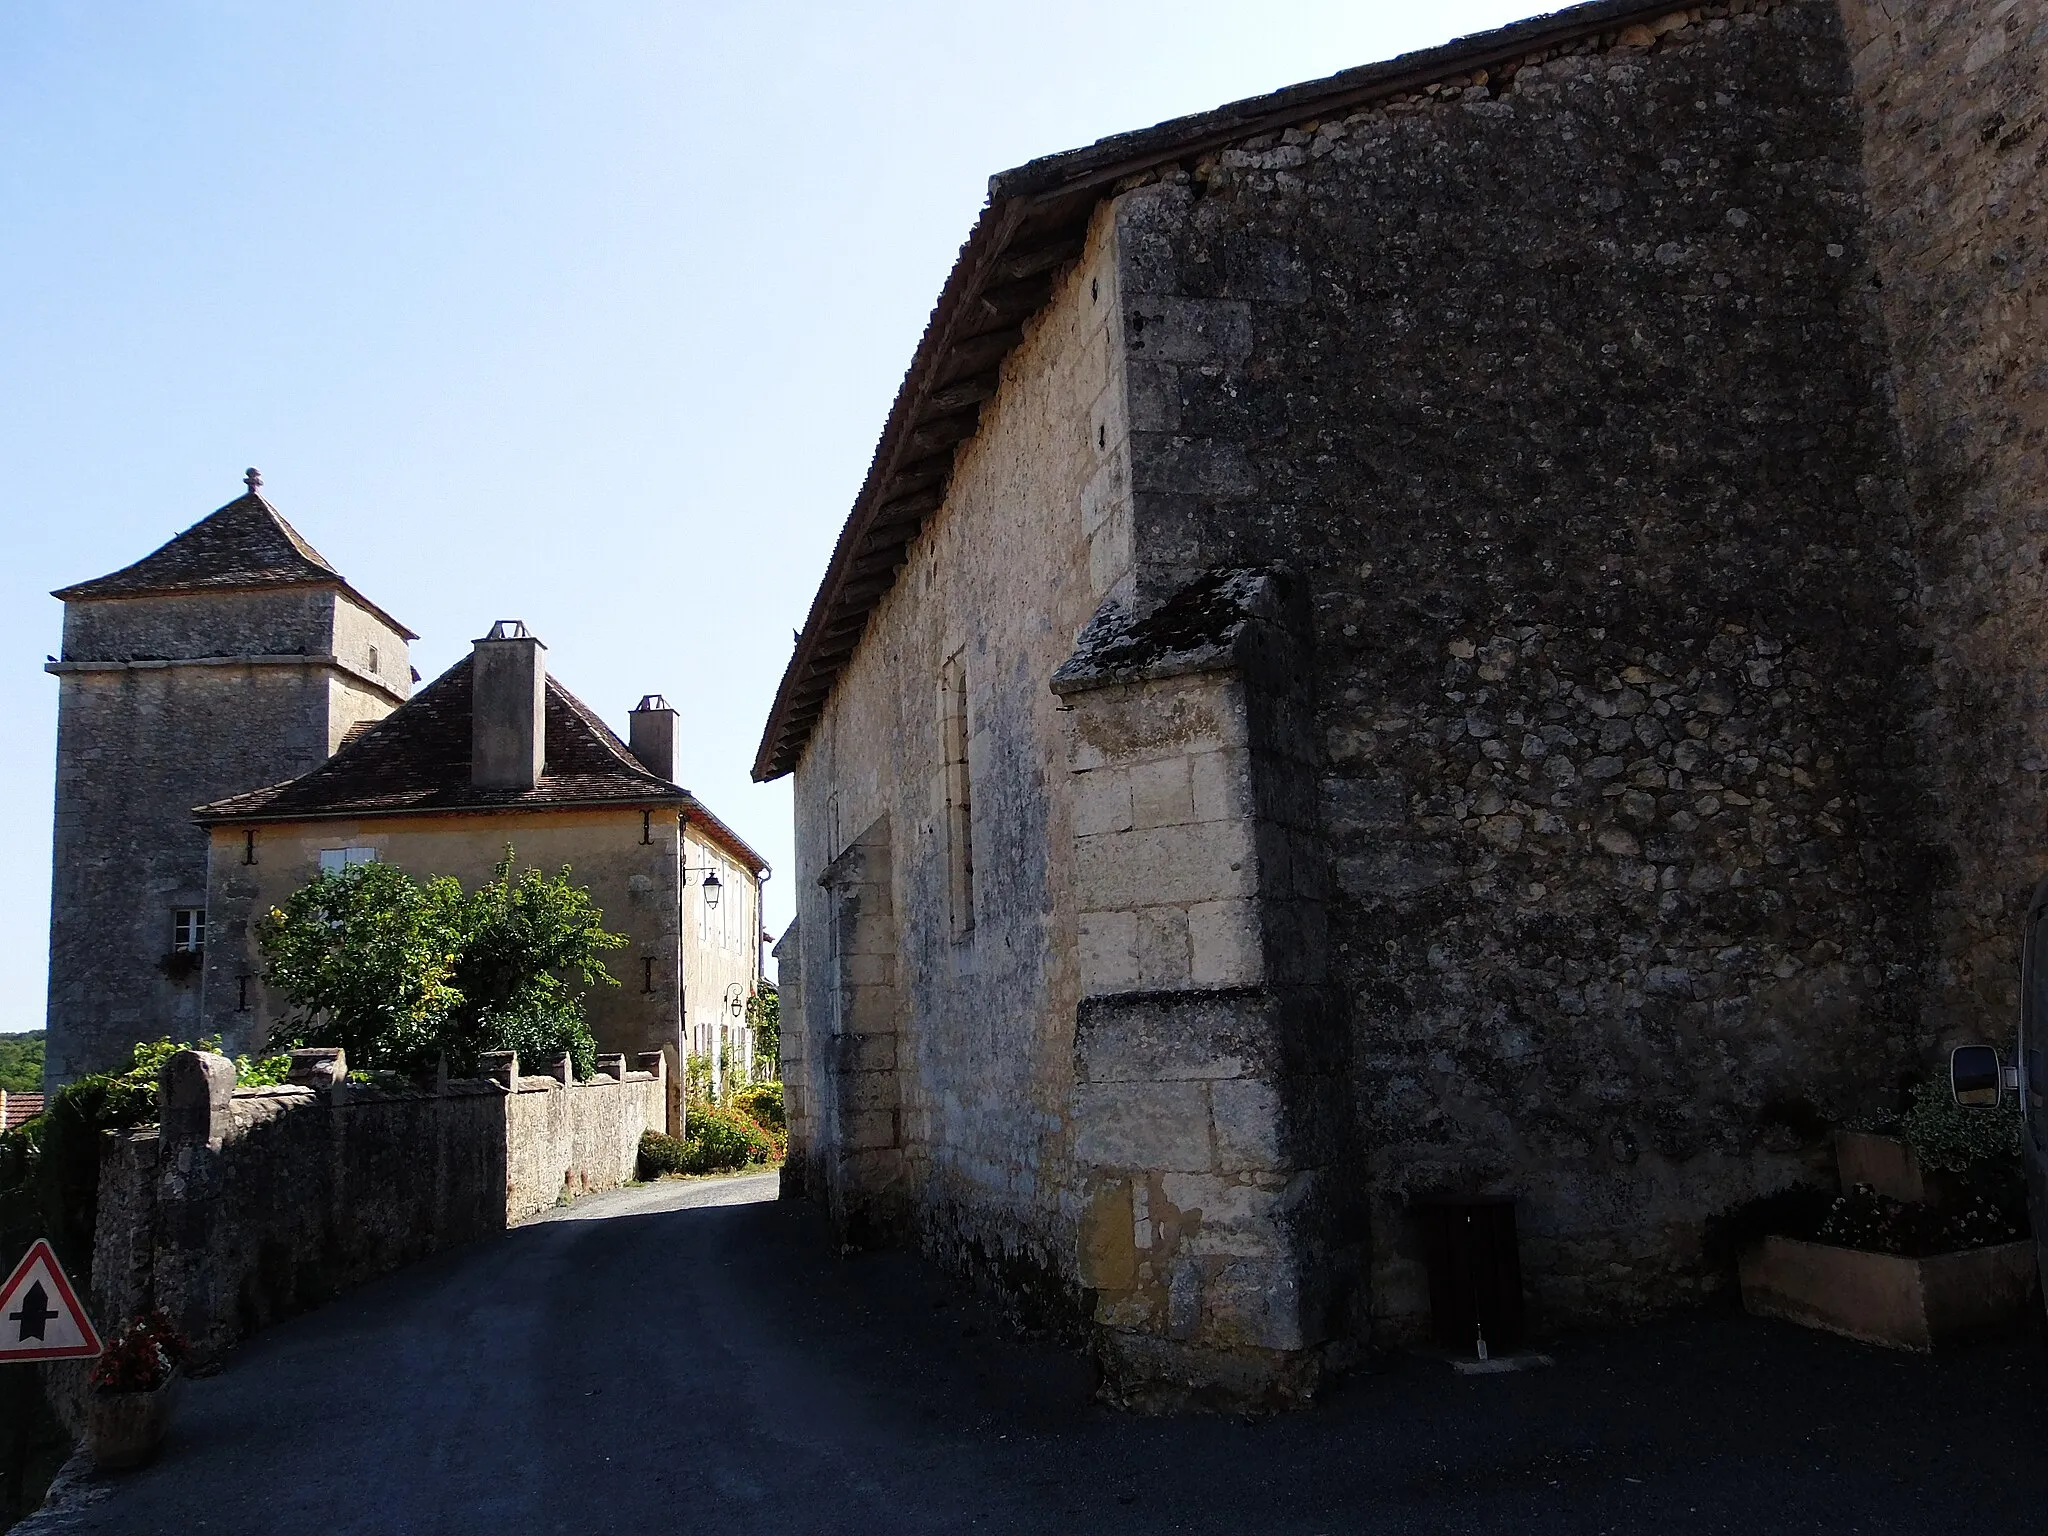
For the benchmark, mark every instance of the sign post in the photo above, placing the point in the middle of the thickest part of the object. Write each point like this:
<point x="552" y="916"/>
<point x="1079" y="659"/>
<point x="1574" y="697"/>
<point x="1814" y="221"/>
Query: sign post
<point x="40" y="1315"/>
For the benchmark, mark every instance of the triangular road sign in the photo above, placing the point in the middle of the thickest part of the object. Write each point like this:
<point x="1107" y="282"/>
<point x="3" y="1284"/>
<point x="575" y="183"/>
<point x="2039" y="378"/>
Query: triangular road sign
<point x="40" y="1318"/>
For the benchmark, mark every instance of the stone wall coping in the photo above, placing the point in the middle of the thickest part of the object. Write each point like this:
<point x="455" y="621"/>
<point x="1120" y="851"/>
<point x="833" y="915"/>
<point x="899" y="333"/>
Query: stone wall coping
<point x="1199" y="628"/>
<point x="455" y="1087"/>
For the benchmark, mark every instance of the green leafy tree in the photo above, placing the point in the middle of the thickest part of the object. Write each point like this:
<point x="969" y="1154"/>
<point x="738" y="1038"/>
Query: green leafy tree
<point x="399" y="973"/>
<point x="21" y="1062"/>
<point x="764" y="1013"/>
<point x="525" y="942"/>
<point x="365" y="955"/>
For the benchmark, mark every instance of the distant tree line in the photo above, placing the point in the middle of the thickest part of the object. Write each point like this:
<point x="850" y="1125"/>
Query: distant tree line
<point x="21" y="1062"/>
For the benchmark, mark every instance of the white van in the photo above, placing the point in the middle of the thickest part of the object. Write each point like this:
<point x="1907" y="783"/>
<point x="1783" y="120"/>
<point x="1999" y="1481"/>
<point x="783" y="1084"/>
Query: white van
<point x="1980" y="1080"/>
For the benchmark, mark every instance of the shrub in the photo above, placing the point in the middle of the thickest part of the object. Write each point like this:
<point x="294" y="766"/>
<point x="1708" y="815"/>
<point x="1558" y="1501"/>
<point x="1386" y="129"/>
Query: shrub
<point x="717" y="1140"/>
<point x="661" y="1154"/>
<point x="1877" y="1223"/>
<point x="540" y="1030"/>
<point x="697" y="1079"/>
<point x="762" y="1103"/>
<point x="400" y="973"/>
<point x="1945" y="1136"/>
<point x="764" y="1017"/>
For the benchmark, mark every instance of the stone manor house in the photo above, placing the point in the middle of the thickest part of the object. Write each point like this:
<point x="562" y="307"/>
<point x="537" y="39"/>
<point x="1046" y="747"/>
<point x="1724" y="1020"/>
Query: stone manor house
<point x="1458" y="648"/>
<point x="235" y="718"/>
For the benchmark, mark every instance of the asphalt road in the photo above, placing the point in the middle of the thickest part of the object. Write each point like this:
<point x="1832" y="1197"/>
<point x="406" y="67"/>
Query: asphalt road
<point x="691" y="1358"/>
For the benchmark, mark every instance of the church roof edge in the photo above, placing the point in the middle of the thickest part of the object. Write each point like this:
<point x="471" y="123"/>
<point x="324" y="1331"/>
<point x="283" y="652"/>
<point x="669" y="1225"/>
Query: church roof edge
<point x="1036" y="221"/>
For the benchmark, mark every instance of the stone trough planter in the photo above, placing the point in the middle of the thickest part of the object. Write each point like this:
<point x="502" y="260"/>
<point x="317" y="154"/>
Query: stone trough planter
<point x="1887" y="1165"/>
<point x="124" y="1429"/>
<point x="1882" y="1298"/>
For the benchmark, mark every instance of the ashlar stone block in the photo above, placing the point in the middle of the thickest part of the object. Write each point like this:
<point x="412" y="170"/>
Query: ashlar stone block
<point x="196" y="1092"/>
<point x="1256" y="1302"/>
<point x="1102" y="801"/>
<point x="1108" y="953"/>
<point x="1179" y="866"/>
<point x="867" y="1130"/>
<point x="1160" y="793"/>
<point x="1155" y="1126"/>
<point x="1163" y="948"/>
<point x="1247" y="1114"/>
<point x="1223" y="941"/>
<point x="1219" y="784"/>
<point x="1226" y="1217"/>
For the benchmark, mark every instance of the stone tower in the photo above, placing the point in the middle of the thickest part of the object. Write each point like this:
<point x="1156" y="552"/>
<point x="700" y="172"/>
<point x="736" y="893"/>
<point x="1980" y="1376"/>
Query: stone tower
<point x="233" y="657"/>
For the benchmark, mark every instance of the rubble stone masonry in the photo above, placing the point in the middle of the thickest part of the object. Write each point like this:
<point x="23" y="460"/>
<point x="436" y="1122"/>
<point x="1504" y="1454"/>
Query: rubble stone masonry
<point x="166" y="702"/>
<point x="1566" y="397"/>
<point x="1955" y="153"/>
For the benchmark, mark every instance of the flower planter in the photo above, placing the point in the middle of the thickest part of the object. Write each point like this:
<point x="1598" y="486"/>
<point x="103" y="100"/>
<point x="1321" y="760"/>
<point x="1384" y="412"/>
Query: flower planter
<point x="1883" y="1298"/>
<point x="1887" y="1164"/>
<point x="124" y="1429"/>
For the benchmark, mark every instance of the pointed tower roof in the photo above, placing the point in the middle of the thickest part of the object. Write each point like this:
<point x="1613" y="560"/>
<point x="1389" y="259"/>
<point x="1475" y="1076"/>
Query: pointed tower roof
<point x="244" y="545"/>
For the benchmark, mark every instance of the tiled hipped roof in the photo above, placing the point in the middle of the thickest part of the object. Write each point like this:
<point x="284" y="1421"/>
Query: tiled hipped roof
<point x="1034" y="225"/>
<point x="417" y="759"/>
<point x="244" y="545"/>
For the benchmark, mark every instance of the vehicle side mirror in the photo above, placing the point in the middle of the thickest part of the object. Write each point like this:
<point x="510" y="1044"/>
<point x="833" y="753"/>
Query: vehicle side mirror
<point x="1975" y="1078"/>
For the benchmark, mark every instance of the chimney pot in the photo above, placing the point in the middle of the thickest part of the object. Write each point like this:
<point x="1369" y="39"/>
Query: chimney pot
<point x="651" y="736"/>
<point x="508" y="709"/>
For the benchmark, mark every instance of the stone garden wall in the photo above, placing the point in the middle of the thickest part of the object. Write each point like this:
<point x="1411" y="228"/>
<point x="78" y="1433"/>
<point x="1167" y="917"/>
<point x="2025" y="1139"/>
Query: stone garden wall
<point x="247" y="1205"/>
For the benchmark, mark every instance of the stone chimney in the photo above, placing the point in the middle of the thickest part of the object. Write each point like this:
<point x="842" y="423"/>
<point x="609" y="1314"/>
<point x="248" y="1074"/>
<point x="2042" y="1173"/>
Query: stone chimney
<point x="652" y="736"/>
<point x="508" y="709"/>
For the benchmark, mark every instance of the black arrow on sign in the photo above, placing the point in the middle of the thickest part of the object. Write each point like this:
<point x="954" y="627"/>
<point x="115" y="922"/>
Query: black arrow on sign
<point x="35" y="1312"/>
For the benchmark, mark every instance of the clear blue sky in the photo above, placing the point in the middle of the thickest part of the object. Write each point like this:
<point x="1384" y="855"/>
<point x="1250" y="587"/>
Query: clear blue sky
<point x="581" y="313"/>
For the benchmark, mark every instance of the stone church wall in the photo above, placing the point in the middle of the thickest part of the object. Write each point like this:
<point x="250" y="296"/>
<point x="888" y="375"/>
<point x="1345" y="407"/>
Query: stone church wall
<point x="967" y="1099"/>
<point x="1956" y="160"/>
<point x="1646" y="429"/>
<point x="1564" y="394"/>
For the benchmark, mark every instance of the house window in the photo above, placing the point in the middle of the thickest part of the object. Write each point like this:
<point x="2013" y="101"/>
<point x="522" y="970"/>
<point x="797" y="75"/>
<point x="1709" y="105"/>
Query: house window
<point x="373" y="658"/>
<point x="188" y="930"/>
<point x="334" y="860"/>
<point x="953" y="737"/>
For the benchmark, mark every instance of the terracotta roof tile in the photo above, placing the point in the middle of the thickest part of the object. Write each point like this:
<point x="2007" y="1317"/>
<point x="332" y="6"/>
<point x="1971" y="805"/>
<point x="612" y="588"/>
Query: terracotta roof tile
<point x="244" y="544"/>
<point x="417" y="759"/>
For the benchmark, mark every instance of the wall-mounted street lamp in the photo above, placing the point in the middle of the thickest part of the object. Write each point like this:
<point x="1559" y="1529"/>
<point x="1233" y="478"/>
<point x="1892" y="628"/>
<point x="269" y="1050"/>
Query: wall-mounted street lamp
<point x="713" y="886"/>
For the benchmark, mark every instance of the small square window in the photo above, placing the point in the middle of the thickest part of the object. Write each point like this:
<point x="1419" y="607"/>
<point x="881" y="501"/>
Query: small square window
<point x="188" y="930"/>
<point x="334" y="860"/>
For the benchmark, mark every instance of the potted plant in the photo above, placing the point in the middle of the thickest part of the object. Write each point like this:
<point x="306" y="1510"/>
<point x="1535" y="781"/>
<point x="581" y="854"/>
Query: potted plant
<point x="134" y="1385"/>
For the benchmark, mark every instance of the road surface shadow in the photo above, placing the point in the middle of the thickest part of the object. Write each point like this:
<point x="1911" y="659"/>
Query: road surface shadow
<point x="649" y="1367"/>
